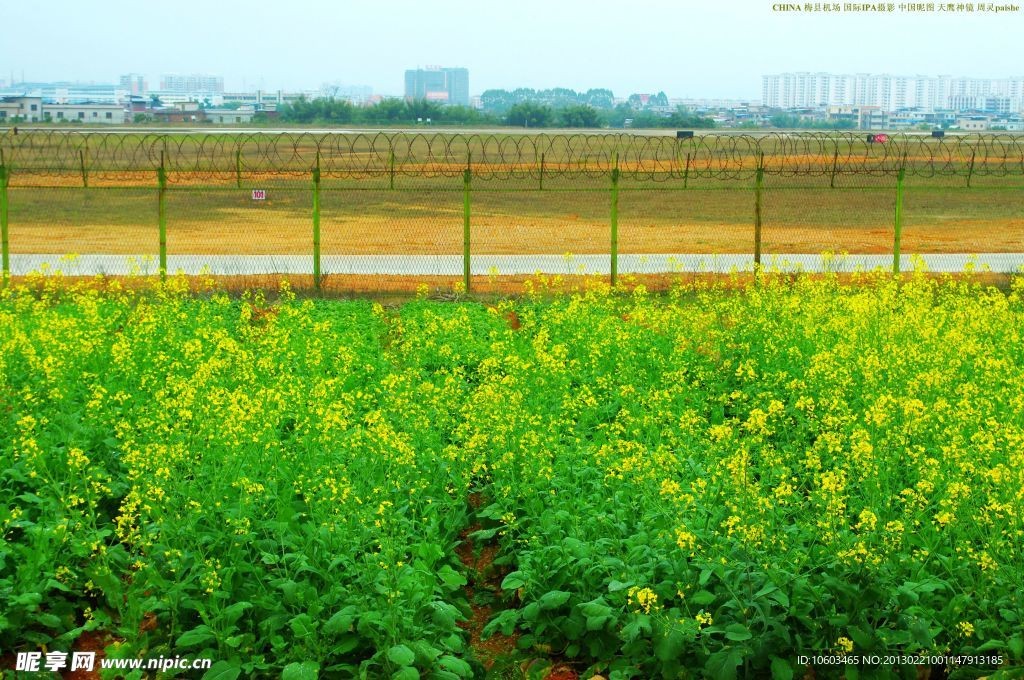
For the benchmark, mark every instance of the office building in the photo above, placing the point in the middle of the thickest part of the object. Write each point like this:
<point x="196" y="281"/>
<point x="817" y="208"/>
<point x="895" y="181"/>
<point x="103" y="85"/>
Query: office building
<point x="433" y="83"/>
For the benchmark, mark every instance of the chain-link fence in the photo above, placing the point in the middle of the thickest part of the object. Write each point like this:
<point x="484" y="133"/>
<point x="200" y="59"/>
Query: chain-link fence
<point x="376" y="211"/>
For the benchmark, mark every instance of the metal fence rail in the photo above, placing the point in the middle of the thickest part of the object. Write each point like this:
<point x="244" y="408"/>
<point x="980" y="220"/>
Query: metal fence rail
<point x="194" y="156"/>
<point x="454" y="204"/>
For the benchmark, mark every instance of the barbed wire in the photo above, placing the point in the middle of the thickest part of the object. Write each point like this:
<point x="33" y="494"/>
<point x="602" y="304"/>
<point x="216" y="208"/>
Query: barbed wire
<point x="189" y="157"/>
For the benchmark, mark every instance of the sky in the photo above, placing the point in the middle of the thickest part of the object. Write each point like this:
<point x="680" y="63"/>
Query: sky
<point x="713" y="48"/>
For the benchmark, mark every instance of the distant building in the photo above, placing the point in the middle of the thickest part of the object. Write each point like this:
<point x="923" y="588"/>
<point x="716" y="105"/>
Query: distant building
<point x="27" y="109"/>
<point x="444" y="85"/>
<point x="974" y="124"/>
<point x="890" y="92"/>
<point x="355" y="94"/>
<point x="67" y="93"/>
<point x="862" y="117"/>
<point x="134" y="84"/>
<point x="242" y="114"/>
<point x="192" y="84"/>
<point x="87" y="114"/>
<point x="261" y="100"/>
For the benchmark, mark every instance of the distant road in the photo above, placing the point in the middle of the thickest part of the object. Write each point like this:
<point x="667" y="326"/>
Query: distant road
<point x="483" y="265"/>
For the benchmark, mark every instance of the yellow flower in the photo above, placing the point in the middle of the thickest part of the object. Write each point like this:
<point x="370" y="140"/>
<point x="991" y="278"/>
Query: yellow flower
<point x="643" y="599"/>
<point x="845" y="645"/>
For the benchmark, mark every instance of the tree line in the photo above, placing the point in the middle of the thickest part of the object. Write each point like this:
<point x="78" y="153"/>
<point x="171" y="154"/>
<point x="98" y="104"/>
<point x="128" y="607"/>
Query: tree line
<point x="527" y="114"/>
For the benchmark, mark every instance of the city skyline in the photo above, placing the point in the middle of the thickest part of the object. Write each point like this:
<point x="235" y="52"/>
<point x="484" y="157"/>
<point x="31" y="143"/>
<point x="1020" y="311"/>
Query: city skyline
<point x="689" y="50"/>
<point x="131" y="81"/>
<point x="891" y="92"/>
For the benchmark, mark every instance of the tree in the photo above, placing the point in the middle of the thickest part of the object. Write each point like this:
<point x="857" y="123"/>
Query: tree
<point x="527" y="114"/>
<point x="579" y="116"/>
<point x="423" y="109"/>
<point x="390" y="110"/>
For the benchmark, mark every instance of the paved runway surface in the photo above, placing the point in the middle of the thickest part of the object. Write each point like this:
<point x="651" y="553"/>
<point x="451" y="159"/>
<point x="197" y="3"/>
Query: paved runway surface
<point x="483" y="265"/>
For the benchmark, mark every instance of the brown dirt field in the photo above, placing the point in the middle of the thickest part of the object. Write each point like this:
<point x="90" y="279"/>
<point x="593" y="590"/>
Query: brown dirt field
<point x="292" y="235"/>
<point x="427" y="218"/>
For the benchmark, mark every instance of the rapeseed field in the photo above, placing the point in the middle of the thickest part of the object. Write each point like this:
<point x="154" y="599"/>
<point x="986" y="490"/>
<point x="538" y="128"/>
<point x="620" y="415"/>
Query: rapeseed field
<point x="711" y="482"/>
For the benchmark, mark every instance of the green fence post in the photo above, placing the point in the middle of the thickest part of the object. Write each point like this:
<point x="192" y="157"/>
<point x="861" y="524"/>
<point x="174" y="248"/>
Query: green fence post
<point x="542" y="172"/>
<point x="391" y="168"/>
<point x="898" y="226"/>
<point x="466" y="177"/>
<point x="161" y="178"/>
<point x="4" y="242"/>
<point x="686" y="173"/>
<point x="758" y="198"/>
<point x="316" y="225"/>
<point x="238" y="167"/>
<point x="835" y="165"/>
<point x="615" y="221"/>
<point x="970" y="168"/>
<point x="83" y="168"/>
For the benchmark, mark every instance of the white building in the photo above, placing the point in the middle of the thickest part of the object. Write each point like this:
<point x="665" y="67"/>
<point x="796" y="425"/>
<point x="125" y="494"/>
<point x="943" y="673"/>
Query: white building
<point x="196" y="83"/>
<point x="242" y="114"/>
<point x="26" y="109"/>
<point x="889" y="92"/>
<point x="87" y="114"/>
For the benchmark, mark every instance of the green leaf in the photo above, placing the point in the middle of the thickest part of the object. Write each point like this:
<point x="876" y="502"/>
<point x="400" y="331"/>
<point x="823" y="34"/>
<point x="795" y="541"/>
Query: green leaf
<point x="306" y="670"/>
<point x="781" y="670"/>
<point x="302" y="625"/>
<point x="340" y="622"/>
<point x="737" y="632"/>
<point x="722" y="664"/>
<point x="457" y="666"/>
<point x="401" y="655"/>
<point x="484" y="534"/>
<point x="505" y="622"/>
<point x="670" y="646"/>
<point x="920" y="632"/>
<point x="197" y="636"/>
<point x="234" y="612"/>
<point x="406" y="673"/>
<point x="554" y="599"/>
<point x="345" y="644"/>
<point x="445" y="615"/>
<point x="49" y="620"/>
<point x="1016" y="646"/>
<point x="223" y="670"/>
<point x="513" y="581"/>
<point x="864" y="640"/>
<point x="451" y="578"/>
<point x="595" y="608"/>
<point x="992" y="646"/>
<point x="28" y="599"/>
<point x="702" y="598"/>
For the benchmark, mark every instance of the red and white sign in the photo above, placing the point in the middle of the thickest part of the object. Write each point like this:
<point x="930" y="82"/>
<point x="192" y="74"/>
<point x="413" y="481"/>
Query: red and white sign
<point x="259" y="194"/>
<point x="881" y="139"/>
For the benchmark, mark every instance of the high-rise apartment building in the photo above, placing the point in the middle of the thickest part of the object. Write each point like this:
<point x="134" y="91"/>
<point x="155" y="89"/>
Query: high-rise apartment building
<point x="133" y="84"/>
<point x="197" y="83"/>
<point x="888" y="92"/>
<point x="433" y="83"/>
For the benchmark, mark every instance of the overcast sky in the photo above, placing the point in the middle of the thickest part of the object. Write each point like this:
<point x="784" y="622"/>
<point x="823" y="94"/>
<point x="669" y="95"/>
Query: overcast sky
<point x="688" y="49"/>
